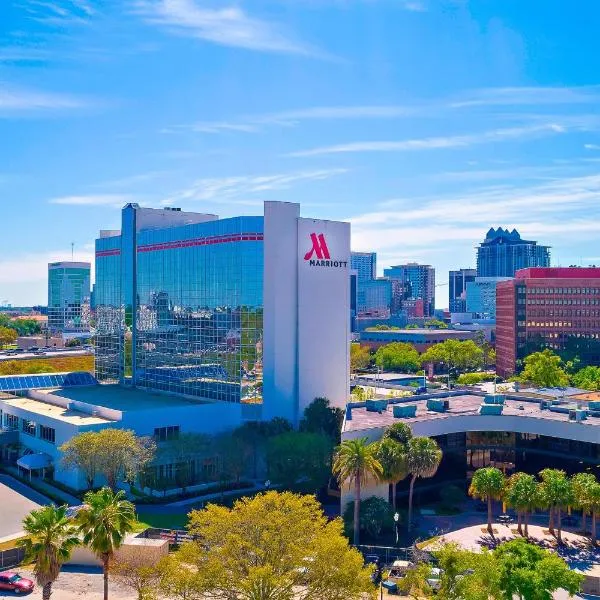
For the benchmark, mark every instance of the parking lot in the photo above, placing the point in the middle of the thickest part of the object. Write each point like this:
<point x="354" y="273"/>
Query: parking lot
<point x="15" y="502"/>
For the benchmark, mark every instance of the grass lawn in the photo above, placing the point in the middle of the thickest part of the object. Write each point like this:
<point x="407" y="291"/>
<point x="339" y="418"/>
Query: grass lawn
<point x="163" y="521"/>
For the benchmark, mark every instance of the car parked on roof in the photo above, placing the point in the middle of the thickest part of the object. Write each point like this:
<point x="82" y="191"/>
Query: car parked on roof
<point x="13" y="582"/>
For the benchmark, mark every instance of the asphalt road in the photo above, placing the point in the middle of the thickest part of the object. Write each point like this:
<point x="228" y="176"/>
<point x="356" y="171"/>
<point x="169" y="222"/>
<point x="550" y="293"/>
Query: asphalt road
<point x="45" y="354"/>
<point x="15" y="502"/>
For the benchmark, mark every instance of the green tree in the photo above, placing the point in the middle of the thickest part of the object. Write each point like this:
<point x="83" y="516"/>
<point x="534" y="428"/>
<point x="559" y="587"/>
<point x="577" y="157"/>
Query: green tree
<point x="583" y="486"/>
<point x="271" y="546"/>
<point x="234" y="458"/>
<point x="50" y="539"/>
<point x="300" y="460"/>
<point x="177" y="581"/>
<point x="397" y="356"/>
<point x="556" y="492"/>
<point x="543" y="369"/>
<point x="360" y="357"/>
<point x="7" y="336"/>
<point x="522" y="493"/>
<point x="587" y="378"/>
<point x="529" y="572"/>
<point x="122" y="455"/>
<point x="435" y="324"/>
<point x="487" y="484"/>
<point x="423" y="457"/>
<point x="392" y="456"/>
<point x="82" y="452"/>
<point x="182" y="451"/>
<point x="595" y="508"/>
<point x="355" y="462"/>
<point x="136" y="573"/>
<point x="104" y="521"/>
<point x="320" y="417"/>
<point x="456" y="355"/>
<point x="376" y="516"/>
<point x="399" y="432"/>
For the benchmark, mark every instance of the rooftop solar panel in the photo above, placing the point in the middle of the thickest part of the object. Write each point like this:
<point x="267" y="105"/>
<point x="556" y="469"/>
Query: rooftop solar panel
<point x="15" y="383"/>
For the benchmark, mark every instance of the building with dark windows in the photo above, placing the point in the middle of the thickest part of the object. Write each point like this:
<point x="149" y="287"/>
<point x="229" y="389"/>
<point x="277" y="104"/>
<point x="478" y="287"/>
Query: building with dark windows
<point x="69" y="297"/>
<point x="457" y="289"/>
<point x="365" y="265"/>
<point x="417" y="288"/>
<point x="481" y="297"/>
<point x="557" y="308"/>
<point x="503" y="253"/>
<point x="474" y="430"/>
<point x="374" y="297"/>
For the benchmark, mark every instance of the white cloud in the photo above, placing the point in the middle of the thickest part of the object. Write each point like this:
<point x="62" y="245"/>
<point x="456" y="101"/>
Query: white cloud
<point x="13" y="99"/>
<point x="58" y="13"/>
<point x="456" y="141"/>
<point x="117" y="200"/>
<point x="520" y="96"/>
<point x="592" y="146"/>
<point x="222" y="190"/>
<point x="226" y="25"/>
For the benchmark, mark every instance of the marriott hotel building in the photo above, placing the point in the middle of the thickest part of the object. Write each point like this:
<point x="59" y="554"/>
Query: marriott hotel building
<point x="251" y="312"/>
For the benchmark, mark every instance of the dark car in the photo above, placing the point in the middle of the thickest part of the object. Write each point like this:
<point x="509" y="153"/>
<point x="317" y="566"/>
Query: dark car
<point x="420" y="390"/>
<point x="15" y="583"/>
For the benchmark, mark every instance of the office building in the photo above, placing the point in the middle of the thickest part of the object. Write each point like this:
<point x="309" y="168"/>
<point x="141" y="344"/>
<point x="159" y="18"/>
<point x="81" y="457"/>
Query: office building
<point x="68" y="297"/>
<point x="457" y="289"/>
<point x="418" y="288"/>
<point x="481" y="296"/>
<point x="374" y="298"/>
<point x="557" y="308"/>
<point x="503" y="253"/>
<point x="365" y="265"/>
<point x="421" y="339"/>
<point x="243" y="310"/>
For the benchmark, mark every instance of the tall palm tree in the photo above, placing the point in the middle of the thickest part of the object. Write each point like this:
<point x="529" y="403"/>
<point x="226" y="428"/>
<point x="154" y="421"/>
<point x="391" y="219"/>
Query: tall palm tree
<point x="51" y="537"/>
<point x="399" y="432"/>
<point x="522" y="494"/>
<point x="487" y="484"/>
<point x="355" y="462"/>
<point x="104" y="521"/>
<point x="557" y="494"/>
<point x="583" y="484"/>
<point x="423" y="457"/>
<point x="392" y="457"/>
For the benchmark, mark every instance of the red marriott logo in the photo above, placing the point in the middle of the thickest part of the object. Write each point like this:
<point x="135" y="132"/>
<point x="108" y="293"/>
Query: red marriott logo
<point x="320" y="249"/>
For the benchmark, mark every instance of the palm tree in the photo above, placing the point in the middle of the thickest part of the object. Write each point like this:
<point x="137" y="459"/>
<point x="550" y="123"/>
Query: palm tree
<point x="557" y="494"/>
<point x="399" y="432"/>
<point x="104" y="521"/>
<point x="522" y="494"/>
<point x="583" y="484"/>
<point x="595" y="508"/>
<point x="423" y="457"/>
<point x="50" y="538"/>
<point x="487" y="484"/>
<point x="392" y="457"/>
<point x="355" y="462"/>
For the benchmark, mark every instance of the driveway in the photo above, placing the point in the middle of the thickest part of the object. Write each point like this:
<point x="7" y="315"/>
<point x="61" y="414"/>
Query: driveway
<point x="16" y="502"/>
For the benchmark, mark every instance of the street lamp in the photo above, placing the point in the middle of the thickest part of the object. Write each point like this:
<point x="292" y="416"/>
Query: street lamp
<point x="396" y="519"/>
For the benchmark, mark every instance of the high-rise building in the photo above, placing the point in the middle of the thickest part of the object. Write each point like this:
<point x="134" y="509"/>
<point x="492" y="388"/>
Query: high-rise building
<point x="246" y="310"/>
<point x="68" y="297"/>
<point x="457" y="289"/>
<point x="503" y="253"/>
<point x="557" y="308"/>
<point x="374" y="297"/>
<point x="365" y="265"/>
<point x="418" y="283"/>
<point x="481" y="296"/>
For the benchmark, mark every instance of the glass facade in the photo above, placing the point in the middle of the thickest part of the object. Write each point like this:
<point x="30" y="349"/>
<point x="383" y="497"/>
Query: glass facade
<point x="418" y="282"/>
<point x="180" y="309"/>
<point x="68" y="296"/>
<point x="365" y="265"/>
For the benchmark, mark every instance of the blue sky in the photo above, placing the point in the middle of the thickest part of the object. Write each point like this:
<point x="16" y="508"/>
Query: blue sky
<point x="423" y="122"/>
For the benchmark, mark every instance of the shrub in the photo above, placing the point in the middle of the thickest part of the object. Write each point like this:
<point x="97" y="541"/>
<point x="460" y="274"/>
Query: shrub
<point x="376" y="516"/>
<point x="473" y="378"/>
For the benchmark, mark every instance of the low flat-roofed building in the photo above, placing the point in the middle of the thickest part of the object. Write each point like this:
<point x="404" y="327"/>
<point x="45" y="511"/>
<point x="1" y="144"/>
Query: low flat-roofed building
<point x="421" y="339"/>
<point x="528" y="434"/>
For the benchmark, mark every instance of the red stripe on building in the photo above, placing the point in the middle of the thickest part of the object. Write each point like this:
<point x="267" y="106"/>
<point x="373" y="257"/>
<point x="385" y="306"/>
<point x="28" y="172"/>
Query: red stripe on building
<point x="221" y="239"/>
<point x="108" y="253"/>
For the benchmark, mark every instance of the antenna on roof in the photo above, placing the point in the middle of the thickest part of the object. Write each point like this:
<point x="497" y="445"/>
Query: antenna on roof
<point x="72" y="250"/>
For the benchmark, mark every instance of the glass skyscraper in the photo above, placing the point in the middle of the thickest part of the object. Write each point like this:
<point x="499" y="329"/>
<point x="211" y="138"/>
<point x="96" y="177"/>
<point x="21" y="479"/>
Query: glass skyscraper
<point x="503" y="253"/>
<point x="365" y="265"/>
<point x="418" y="283"/>
<point x="457" y="289"/>
<point x="68" y="296"/>
<point x="179" y="304"/>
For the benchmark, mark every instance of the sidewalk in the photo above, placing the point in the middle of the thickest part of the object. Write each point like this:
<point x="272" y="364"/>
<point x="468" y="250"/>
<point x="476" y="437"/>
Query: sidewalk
<point x="45" y="487"/>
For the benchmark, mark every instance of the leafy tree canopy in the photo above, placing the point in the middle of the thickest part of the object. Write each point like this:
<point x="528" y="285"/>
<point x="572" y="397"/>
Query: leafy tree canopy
<point x="457" y="355"/>
<point x="398" y="356"/>
<point x="360" y="357"/>
<point x="544" y="369"/>
<point x="321" y="417"/>
<point x="587" y="378"/>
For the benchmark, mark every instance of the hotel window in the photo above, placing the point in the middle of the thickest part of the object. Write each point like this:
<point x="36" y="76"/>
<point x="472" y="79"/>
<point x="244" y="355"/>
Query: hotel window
<point x="164" y="434"/>
<point x="28" y="427"/>
<point x="11" y="422"/>
<point x="47" y="434"/>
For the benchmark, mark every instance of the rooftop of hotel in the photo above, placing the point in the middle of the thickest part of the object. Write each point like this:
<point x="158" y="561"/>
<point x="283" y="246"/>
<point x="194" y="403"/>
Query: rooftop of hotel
<point x="460" y="405"/>
<point x="121" y="398"/>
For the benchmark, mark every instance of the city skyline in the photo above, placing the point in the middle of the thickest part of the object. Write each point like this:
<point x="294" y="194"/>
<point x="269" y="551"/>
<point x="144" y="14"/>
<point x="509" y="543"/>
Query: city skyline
<point x="423" y="123"/>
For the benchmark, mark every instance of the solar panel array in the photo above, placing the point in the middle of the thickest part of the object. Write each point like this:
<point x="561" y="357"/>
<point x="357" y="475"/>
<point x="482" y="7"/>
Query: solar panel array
<point x="15" y="383"/>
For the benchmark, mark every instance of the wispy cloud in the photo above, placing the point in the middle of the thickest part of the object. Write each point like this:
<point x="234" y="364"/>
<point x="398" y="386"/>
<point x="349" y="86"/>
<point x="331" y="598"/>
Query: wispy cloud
<point x="13" y="99"/>
<point x="114" y="200"/>
<point x="227" y="26"/>
<point x="58" y="13"/>
<point x="223" y="190"/>
<point x="432" y="143"/>
<point x="592" y="146"/>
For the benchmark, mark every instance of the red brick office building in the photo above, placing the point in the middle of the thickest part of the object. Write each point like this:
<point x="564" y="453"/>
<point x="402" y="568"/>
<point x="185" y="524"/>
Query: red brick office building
<point x="557" y="308"/>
